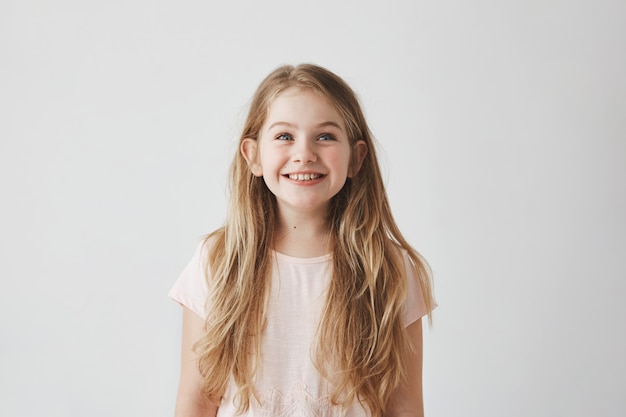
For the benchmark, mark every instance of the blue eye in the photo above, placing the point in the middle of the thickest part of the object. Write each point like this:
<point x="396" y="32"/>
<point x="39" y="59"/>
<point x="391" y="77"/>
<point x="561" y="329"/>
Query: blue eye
<point x="284" y="136"/>
<point x="326" y="136"/>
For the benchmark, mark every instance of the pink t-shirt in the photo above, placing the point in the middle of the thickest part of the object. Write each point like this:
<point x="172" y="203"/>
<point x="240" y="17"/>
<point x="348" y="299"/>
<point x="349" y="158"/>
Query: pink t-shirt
<point x="287" y="381"/>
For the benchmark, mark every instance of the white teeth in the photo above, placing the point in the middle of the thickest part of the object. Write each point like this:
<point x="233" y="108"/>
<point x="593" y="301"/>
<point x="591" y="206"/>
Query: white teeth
<point x="304" y="177"/>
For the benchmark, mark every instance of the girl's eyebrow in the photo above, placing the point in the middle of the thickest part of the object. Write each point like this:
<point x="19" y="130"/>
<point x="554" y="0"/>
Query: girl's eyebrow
<point x="293" y="126"/>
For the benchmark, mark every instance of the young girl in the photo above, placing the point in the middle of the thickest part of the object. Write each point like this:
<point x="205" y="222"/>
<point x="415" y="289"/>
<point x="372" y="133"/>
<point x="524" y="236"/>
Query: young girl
<point x="308" y="301"/>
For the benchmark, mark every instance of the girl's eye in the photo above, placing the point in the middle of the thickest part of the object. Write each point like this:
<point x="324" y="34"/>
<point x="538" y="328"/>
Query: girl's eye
<point x="284" y="136"/>
<point x="326" y="136"/>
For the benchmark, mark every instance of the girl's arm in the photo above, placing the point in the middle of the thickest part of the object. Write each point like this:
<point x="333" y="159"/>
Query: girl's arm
<point x="407" y="400"/>
<point x="189" y="402"/>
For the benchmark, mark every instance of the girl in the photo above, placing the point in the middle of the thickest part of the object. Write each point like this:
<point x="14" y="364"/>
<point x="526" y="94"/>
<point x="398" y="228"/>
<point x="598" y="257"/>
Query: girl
<point x="308" y="301"/>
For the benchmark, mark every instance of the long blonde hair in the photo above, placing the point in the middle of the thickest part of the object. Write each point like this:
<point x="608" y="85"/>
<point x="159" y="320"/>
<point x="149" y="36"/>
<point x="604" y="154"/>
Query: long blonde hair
<point x="361" y="336"/>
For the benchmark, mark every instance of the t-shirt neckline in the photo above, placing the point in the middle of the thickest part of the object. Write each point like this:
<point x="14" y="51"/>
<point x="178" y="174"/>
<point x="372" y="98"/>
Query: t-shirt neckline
<point x="297" y="260"/>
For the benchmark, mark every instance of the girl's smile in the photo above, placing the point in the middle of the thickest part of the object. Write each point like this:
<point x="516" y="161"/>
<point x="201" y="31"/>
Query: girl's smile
<point x="307" y="177"/>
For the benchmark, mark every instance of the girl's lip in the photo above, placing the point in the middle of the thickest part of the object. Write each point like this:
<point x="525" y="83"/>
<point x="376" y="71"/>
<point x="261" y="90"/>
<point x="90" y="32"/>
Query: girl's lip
<point x="303" y="172"/>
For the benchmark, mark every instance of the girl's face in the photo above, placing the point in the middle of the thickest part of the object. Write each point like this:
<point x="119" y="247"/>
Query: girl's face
<point x="303" y="151"/>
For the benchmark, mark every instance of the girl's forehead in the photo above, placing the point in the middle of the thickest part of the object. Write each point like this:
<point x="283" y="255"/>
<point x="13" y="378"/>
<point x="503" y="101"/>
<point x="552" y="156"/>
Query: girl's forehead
<point x="303" y="103"/>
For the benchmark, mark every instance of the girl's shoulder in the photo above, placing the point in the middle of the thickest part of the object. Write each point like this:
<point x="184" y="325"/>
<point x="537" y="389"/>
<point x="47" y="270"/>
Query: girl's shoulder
<point x="213" y="239"/>
<point x="399" y="250"/>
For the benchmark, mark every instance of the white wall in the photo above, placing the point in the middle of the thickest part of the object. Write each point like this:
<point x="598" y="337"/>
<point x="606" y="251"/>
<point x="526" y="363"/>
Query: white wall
<point x="503" y="126"/>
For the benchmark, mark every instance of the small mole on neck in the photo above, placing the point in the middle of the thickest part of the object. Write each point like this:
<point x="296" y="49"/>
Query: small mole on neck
<point x="294" y="227"/>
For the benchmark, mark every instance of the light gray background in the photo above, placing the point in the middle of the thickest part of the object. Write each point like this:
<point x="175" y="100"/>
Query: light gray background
<point x="503" y="129"/>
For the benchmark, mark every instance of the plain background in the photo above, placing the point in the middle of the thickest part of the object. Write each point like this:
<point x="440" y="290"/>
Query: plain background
<point x="503" y="133"/>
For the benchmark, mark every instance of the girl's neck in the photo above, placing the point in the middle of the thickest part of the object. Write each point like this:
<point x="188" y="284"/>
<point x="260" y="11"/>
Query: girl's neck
<point x="302" y="237"/>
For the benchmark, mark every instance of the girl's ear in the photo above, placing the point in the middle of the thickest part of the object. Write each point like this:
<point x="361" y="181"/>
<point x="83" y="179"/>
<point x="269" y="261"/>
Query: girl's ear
<point x="358" y="156"/>
<point x="249" y="150"/>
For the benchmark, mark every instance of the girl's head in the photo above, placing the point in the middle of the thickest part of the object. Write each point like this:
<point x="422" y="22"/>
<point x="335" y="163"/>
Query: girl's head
<point x="318" y="86"/>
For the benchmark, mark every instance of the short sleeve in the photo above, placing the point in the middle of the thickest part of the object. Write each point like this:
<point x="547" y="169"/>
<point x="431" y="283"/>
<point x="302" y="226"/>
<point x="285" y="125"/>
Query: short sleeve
<point x="414" y="307"/>
<point x="191" y="289"/>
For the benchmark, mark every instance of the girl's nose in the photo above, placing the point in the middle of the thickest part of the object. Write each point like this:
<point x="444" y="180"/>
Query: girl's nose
<point x="304" y="152"/>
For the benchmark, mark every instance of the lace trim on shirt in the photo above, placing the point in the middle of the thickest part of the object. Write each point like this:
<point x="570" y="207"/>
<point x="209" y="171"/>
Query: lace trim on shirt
<point x="298" y="403"/>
